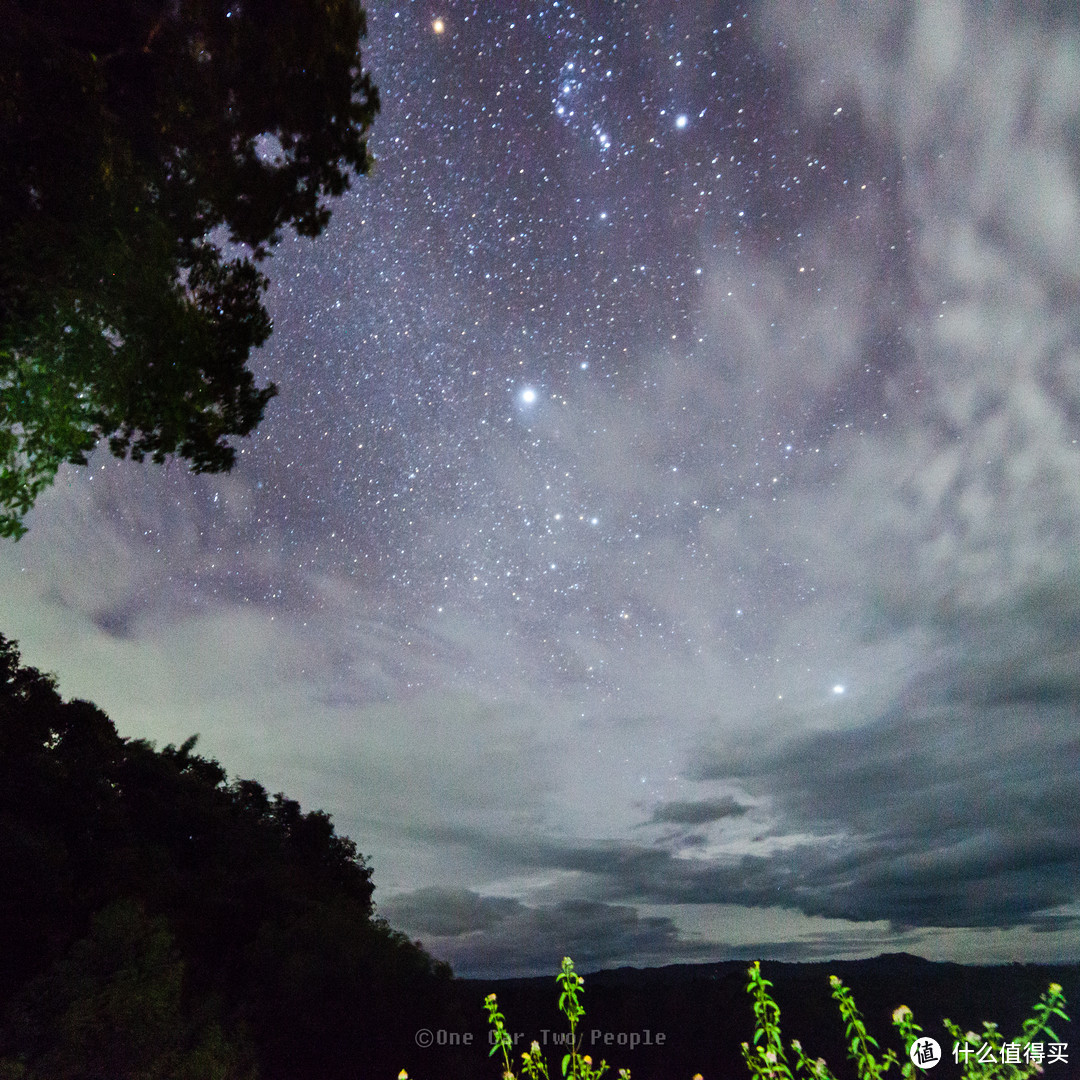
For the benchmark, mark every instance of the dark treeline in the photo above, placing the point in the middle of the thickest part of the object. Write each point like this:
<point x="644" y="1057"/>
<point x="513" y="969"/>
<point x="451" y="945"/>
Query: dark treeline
<point x="157" y="920"/>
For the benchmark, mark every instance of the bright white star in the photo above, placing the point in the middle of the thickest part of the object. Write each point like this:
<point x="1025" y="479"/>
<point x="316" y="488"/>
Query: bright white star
<point x="682" y="120"/>
<point x="528" y="396"/>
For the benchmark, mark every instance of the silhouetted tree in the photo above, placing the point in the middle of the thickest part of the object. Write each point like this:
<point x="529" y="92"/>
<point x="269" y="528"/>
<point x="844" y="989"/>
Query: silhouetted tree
<point x="113" y="1008"/>
<point x="256" y="917"/>
<point x="131" y="130"/>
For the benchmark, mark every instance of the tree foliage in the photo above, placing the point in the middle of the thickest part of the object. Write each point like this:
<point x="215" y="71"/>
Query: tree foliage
<point x="135" y="137"/>
<point x="113" y="1007"/>
<point x="217" y="924"/>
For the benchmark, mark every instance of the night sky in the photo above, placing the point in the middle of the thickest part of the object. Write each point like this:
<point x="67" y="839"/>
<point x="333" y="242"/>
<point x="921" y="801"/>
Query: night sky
<point x="664" y="546"/>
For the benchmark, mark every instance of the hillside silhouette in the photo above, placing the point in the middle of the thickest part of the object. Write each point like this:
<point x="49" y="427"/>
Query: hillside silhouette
<point x="159" y="920"/>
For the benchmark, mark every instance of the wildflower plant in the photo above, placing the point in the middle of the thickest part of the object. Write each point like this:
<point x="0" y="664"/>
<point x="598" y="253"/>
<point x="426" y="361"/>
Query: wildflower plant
<point x="575" y="1065"/>
<point x="767" y="1060"/>
<point x="501" y="1039"/>
<point x="861" y="1044"/>
<point x="985" y="1056"/>
<point x="571" y="984"/>
<point x="533" y="1064"/>
<point x="981" y="1056"/>
<point x="983" y="1053"/>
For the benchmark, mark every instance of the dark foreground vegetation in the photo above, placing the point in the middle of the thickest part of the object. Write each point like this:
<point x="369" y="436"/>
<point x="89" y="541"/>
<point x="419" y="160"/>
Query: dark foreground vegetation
<point x="160" y="921"/>
<point x="157" y="920"/>
<point x="695" y="1021"/>
<point x="136" y="136"/>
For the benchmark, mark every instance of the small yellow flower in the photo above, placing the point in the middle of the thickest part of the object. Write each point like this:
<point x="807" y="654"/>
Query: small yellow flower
<point x="587" y="1059"/>
<point x="403" y="1075"/>
<point x="698" y="1076"/>
<point x="900" y="1012"/>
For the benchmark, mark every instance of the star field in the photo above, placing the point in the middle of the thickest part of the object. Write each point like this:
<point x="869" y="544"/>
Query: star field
<point x="535" y="235"/>
<point x="670" y="501"/>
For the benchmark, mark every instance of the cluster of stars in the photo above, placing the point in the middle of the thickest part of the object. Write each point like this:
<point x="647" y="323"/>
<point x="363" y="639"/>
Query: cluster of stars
<point x="460" y="345"/>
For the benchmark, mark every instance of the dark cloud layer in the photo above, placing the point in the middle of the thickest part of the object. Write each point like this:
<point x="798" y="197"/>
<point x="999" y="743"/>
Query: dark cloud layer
<point x="680" y="812"/>
<point x="496" y="934"/>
